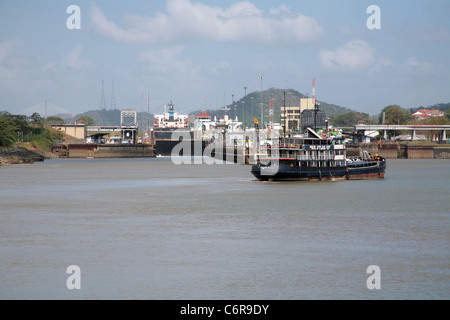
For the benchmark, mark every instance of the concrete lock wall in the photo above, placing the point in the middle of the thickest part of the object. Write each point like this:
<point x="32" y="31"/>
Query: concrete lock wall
<point x="124" y="151"/>
<point x="388" y="151"/>
<point x="110" y="151"/>
<point x="419" y="152"/>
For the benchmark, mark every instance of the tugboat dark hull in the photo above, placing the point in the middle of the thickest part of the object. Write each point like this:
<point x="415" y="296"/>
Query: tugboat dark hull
<point x="355" y="171"/>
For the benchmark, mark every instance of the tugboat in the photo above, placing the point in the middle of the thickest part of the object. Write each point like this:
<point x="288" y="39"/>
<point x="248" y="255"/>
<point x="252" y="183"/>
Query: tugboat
<point x="314" y="156"/>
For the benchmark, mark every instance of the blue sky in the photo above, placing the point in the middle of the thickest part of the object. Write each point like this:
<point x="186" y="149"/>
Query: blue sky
<point x="199" y="53"/>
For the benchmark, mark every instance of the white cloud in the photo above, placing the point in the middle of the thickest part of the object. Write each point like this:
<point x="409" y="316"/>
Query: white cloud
<point x="50" y="67"/>
<point x="73" y="59"/>
<point x="167" y="62"/>
<point x="110" y="30"/>
<point x="6" y="47"/>
<point x="380" y="65"/>
<point x="423" y="66"/>
<point x="10" y="62"/>
<point x="423" y="34"/>
<point x="221" y="66"/>
<point x="354" y="55"/>
<point x="184" y="19"/>
<point x="281" y="10"/>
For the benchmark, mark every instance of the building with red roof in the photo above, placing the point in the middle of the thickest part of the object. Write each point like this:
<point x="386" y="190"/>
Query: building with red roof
<point x="203" y="116"/>
<point x="425" y="113"/>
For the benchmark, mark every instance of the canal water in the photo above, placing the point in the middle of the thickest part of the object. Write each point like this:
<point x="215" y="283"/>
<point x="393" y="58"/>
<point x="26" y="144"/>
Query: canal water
<point x="150" y="229"/>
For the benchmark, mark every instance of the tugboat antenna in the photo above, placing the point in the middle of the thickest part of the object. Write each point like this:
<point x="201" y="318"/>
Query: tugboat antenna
<point x="315" y="116"/>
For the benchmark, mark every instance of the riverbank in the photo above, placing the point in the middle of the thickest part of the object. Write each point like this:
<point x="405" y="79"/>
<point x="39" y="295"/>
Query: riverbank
<point x="19" y="155"/>
<point x="10" y="156"/>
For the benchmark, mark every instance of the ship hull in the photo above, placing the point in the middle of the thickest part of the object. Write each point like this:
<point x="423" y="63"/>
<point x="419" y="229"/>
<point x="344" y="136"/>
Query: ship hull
<point x="285" y="172"/>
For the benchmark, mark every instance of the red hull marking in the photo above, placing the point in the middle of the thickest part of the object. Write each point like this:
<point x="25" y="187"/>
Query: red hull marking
<point x="367" y="176"/>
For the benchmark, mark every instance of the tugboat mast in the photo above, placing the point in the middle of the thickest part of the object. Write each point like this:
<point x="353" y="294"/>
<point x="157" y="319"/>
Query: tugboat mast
<point x="316" y="109"/>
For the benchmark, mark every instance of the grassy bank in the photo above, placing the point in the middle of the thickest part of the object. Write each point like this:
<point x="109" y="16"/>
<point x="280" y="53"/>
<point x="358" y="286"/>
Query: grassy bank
<point x="17" y="129"/>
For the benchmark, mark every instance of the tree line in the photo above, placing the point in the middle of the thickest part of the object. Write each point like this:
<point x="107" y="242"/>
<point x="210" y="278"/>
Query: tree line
<point x="390" y="115"/>
<point x="16" y="129"/>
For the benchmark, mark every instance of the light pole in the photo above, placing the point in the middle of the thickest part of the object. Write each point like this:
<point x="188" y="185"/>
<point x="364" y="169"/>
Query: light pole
<point x="243" y="106"/>
<point x="234" y="106"/>
<point x="261" y="103"/>
<point x="252" y="106"/>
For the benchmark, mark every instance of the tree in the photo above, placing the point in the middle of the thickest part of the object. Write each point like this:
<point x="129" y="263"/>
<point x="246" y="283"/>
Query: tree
<point x="21" y="122"/>
<point x="8" y="129"/>
<point x="87" y="120"/>
<point x="36" y="119"/>
<point x="54" y="120"/>
<point x="393" y="114"/>
<point x="348" y="119"/>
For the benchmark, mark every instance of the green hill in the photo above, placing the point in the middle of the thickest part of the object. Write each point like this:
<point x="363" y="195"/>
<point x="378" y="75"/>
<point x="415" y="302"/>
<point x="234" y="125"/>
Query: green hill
<point x="112" y="117"/>
<point x="249" y="107"/>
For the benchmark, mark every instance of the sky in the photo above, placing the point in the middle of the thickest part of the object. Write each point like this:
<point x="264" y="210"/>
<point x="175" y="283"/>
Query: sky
<point x="201" y="54"/>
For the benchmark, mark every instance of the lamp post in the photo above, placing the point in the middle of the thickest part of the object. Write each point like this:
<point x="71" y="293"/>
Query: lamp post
<point x="252" y="98"/>
<point x="261" y="103"/>
<point x="232" y="102"/>
<point x="243" y="106"/>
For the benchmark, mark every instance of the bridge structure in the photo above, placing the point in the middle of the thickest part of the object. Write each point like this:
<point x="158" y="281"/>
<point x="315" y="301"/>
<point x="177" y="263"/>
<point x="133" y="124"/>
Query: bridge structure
<point x="362" y="128"/>
<point x="104" y="128"/>
<point x="128" y="126"/>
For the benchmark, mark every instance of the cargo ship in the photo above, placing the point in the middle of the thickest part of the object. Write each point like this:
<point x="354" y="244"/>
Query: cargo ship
<point x="170" y="120"/>
<point x="168" y="127"/>
<point x="314" y="157"/>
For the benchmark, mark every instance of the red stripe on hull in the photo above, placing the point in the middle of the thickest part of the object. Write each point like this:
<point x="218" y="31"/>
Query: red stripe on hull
<point x="366" y="176"/>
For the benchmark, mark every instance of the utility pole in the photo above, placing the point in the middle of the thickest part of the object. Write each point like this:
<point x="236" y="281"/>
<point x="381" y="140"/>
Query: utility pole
<point x="243" y="105"/>
<point x="148" y="112"/>
<point x="261" y="103"/>
<point x="45" y="114"/>
<point x="252" y="99"/>
<point x="232" y="103"/>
